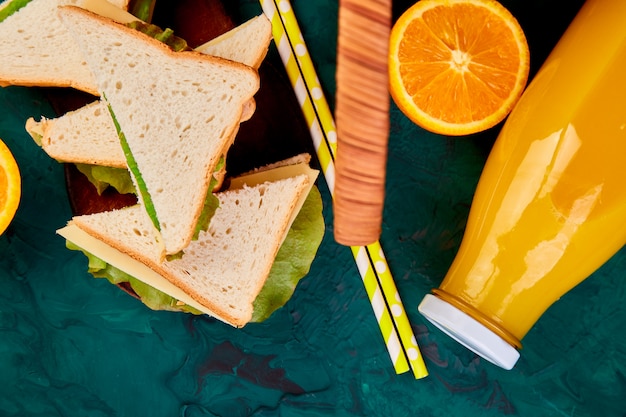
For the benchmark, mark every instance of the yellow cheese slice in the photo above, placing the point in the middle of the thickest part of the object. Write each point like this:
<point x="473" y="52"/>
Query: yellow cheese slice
<point x="106" y="9"/>
<point x="128" y="264"/>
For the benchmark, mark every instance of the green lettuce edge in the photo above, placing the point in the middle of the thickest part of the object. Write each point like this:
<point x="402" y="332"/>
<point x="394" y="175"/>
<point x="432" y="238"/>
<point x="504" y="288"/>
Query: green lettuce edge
<point x="11" y="8"/>
<point x="142" y="9"/>
<point x="103" y="177"/>
<point x="142" y="190"/>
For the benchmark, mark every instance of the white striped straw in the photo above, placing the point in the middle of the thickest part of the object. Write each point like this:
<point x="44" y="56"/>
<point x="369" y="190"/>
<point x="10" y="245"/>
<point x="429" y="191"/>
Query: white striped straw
<point x="370" y="260"/>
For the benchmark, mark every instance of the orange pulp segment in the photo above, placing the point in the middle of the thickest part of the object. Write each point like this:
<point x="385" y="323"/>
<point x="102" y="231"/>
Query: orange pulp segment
<point x="10" y="187"/>
<point x="457" y="67"/>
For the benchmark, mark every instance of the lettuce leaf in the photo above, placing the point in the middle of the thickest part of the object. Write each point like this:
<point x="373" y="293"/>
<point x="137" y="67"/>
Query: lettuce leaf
<point x="12" y="7"/>
<point x="142" y="190"/>
<point x="164" y="35"/>
<point x="102" y="177"/>
<point x="211" y="203"/>
<point x="143" y="9"/>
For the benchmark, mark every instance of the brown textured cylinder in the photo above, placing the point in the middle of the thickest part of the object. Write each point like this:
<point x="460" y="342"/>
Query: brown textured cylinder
<point x="362" y="119"/>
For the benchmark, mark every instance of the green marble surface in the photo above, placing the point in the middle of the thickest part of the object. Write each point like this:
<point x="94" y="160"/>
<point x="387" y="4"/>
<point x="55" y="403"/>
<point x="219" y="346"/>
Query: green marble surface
<point x="71" y="345"/>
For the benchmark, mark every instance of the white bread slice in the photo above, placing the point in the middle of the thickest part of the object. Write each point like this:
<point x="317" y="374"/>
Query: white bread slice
<point x="87" y="135"/>
<point x="224" y="270"/>
<point x="37" y="50"/>
<point x="178" y="111"/>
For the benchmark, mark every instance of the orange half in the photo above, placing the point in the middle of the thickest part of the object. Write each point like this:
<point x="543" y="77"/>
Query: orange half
<point x="10" y="187"/>
<point x="457" y="67"/>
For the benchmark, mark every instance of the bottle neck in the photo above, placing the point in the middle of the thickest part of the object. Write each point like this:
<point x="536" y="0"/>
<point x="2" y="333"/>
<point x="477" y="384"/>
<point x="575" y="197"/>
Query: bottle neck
<point x="478" y="316"/>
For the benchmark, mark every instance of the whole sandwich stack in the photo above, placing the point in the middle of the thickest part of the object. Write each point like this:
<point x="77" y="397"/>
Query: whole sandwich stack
<point x="164" y="116"/>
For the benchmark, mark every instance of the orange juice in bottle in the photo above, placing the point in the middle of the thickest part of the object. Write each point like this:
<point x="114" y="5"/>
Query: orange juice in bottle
<point x="550" y="206"/>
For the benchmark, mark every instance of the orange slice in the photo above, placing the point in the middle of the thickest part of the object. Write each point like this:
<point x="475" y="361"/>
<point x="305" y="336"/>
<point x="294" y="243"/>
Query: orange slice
<point x="457" y="67"/>
<point x="10" y="187"/>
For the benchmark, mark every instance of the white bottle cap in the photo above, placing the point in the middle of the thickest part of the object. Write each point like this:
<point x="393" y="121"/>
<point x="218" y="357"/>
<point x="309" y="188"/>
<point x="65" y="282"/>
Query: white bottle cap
<point x="468" y="332"/>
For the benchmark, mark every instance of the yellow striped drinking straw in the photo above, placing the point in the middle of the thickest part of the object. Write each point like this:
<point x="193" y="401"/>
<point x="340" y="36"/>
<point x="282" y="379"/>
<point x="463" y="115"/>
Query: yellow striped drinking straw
<point x="370" y="260"/>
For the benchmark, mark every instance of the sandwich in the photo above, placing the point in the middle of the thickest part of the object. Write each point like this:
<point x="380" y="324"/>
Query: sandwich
<point x="259" y="244"/>
<point x="142" y="79"/>
<point x="242" y="260"/>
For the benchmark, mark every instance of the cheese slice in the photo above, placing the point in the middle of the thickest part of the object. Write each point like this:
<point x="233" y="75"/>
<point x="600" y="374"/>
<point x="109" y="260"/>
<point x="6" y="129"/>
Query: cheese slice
<point x="106" y="9"/>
